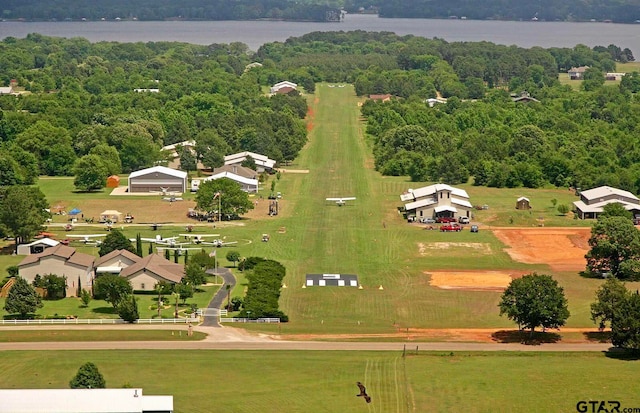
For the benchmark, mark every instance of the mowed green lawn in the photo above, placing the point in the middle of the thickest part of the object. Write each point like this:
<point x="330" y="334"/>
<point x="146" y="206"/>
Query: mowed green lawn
<point x="310" y="382"/>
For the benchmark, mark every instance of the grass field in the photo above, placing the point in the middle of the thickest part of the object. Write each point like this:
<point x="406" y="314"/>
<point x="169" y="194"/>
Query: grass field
<point x="8" y="336"/>
<point x="249" y="381"/>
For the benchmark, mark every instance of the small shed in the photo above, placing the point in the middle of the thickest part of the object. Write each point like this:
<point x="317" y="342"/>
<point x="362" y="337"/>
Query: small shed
<point x="110" y="215"/>
<point x="113" y="181"/>
<point x="523" y="203"/>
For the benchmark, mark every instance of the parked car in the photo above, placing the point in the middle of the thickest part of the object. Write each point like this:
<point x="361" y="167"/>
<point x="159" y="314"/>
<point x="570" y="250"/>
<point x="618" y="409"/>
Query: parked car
<point x="474" y="228"/>
<point x="450" y="227"/>
<point x="445" y="220"/>
<point x="427" y="220"/>
<point x="463" y="220"/>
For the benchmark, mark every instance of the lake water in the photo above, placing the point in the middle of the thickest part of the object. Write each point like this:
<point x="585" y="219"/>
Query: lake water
<point x="255" y="33"/>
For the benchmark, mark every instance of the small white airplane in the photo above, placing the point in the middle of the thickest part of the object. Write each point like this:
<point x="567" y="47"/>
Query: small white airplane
<point x="180" y="249"/>
<point x="171" y="241"/>
<point x="342" y="201"/>
<point x="219" y="243"/>
<point x="172" y="198"/>
<point x="87" y="238"/>
<point x="198" y="238"/>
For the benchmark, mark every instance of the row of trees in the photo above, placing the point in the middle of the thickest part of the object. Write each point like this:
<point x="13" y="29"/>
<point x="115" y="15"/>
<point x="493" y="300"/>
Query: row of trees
<point x="263" y="291"/>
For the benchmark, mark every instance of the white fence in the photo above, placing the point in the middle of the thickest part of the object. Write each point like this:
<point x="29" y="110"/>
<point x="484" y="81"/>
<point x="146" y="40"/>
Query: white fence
<point x="247" y="320"/>
<point x="73" y="321"/>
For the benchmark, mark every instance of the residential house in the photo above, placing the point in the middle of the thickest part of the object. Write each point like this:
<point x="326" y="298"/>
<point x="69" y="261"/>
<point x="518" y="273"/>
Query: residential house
<point x="148" y="271"/>
<point x="247" y="184"/>
<point x="63" y="261"/>
<point x="283" y="87"/>
<point x="435" y="101"/>
<point x="592" y="201"/>
<point x="438" y="200"/>
<point x="114" y="262"/>
<point x="158" y="179"/>
<point x="262" y="162"/>
<point x="577" y="73"/>
<point x="173" y="157"/>
<point x="380" y="98"/>
<point x="524" y="97"/>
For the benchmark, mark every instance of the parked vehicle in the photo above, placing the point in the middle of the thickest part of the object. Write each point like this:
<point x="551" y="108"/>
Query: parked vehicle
<point x="463" y="220"/>
<point x="474" y="228"/>
<point x="427" y="220"/>
<point x="450" y="227"/>
<point x="445" y="220"/>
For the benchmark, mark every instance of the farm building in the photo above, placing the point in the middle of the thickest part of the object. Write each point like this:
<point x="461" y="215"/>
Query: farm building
<point x="157" y="179"/>
<point x="434" y="201"/>
<point x="36" y="246"/>
<point x="62" y="261"/>
<point x="283" y="87"/>
<point x="113" y="181"/>
<point x="593" y="200"/>
<point x="82" y="401"/>
<point x="247" y="184"/>
<point x="263" y="163"/>
<point x="523" y="203"/>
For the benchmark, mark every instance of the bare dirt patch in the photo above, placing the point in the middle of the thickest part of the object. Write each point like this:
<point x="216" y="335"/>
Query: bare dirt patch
<point x="471" y="280"/>
<point x="294" y="171"/>
<point x="478" y="246"/>
<point x="563" y="249"/>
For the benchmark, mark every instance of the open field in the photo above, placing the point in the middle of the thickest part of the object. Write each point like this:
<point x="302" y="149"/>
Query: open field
<point x="7" y="335"/>
<point x="263" y="381"/>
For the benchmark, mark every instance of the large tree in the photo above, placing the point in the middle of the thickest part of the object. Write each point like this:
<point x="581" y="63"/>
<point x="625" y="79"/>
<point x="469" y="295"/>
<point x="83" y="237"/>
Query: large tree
<point x="615" y="248"/>
<point x="112" y="288"/>
<point x="22" y="299"/>
<point x="115" y="240"/>
<point x="224" y="193"/>
<point x="625" y="329"/>
<point x="23" y="211"/>
<point x="535" y="300"/>
<point x="609" y="298"/>
<point x="88" y="377"/>
<point x="90" y="172"/>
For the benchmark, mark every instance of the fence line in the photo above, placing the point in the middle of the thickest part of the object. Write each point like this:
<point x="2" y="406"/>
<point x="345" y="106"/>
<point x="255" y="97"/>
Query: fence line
<point x="247" y="320"/>
<point x="70" y="321"/>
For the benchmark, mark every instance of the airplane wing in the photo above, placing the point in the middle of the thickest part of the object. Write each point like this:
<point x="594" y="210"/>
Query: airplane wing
<point x="86" y="236"/>
<point x="349" y="198"/>
<point x="334" y="199"/>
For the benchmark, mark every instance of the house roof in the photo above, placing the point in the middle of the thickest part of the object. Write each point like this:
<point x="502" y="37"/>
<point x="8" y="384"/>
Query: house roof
<point x="159" y="169"/>
<point x="82" y="401"/>
<point x="237" y="169"/>
<point x="115" y="253"/>
<point x="158" y="265"/>
<point x="461" y="202"/>
<point x="284" y="83"/>
<point x="261" y="160"/>
<point x="445" y="208"/>
<point x="380" y="97"/>
<point x="432" y="189"/>
<point x="580" y="69"/>
<point x="599" y="206"/>
<point x="69" y="254"/>
<point x="46" y="241"/>
<point x="5" y="90"/>
<point x="173" y="147"/>
<point x="522" y="198"/>
<point x="233" y="177"/>
<point x="418" y="204"/>
<point x="603" y="191"/>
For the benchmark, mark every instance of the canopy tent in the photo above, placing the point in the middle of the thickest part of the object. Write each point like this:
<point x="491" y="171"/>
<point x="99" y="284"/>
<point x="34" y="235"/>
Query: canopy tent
<point x="74" y="211"/>
<point x="111" y="215"/>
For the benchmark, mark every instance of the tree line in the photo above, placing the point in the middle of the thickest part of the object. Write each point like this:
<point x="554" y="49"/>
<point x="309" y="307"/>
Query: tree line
<point x="37" y="10"/>
<point x="80" y="106"/>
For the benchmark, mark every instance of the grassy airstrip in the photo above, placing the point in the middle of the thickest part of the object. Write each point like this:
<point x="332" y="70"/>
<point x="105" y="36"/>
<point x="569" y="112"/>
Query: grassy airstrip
<point x="309" y="382"/>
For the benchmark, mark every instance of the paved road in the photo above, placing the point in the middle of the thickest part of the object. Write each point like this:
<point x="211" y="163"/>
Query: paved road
<point x="221" y="295"/>
<point x="226" y="338"/>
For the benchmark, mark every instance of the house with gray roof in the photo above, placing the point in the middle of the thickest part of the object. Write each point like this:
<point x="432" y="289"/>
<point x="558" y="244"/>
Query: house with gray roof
<point x="438" y="200"/>
<point x="592" y="201"/>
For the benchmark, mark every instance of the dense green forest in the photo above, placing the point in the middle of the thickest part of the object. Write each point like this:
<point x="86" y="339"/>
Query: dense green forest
<point x="168" y="10"/>
<point x="621" y="11"/>
<point x="80" y="102"/>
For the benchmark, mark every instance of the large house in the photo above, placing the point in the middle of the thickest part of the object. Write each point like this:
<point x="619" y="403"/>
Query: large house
<point x="60" y="260"/>
<point x="82" y="401"/>
<point x="158" y="179"/>
<point x="577" y="73"/>
<point x="148" y="271"/>
<point x="438" y="200"/>
<point x="592" y="201"/>
<point x="263" y="163"/>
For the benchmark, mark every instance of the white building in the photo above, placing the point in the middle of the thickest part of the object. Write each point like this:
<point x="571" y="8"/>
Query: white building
<point x="36" y="246"/>
<point x="592" y="201"/>
<point x="263" y="163"/>
<point x="439" y="200"/>
<point x="82" y="401"/>
<point x="158" y="179"/>
<point x="247" y="184"/>
<point x="283" y="87"/>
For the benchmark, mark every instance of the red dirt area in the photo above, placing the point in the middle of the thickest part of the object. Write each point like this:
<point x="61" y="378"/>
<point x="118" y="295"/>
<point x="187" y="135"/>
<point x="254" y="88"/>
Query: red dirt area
<point x="471" y="280"/>
<point x="563" y="249"/>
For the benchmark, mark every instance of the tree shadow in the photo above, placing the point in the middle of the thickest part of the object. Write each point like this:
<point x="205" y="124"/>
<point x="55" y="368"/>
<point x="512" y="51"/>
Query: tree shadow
<point x="590" y="274"/>
<point x="598" y="336"/>
<point x="104" y="310"/>
<point x="622" y="354"/>
<point x="525" y="337"/>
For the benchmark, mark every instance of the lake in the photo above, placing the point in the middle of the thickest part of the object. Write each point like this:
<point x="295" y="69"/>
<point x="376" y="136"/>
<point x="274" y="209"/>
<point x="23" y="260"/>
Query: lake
<point x="255" y="33"/>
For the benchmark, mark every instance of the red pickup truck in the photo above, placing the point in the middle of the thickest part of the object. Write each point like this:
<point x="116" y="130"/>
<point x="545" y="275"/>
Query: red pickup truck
<point x="452" y="226"/>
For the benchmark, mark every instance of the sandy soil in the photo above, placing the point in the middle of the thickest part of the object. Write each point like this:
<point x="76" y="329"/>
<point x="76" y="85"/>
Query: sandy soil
<point x="471" y="280"/>
<point x="563" y="249"/>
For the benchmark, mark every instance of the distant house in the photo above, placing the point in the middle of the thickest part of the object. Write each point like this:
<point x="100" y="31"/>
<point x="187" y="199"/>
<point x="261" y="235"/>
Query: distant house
<point x="614" y="76"/>
<point x="36" y="246"/>
<point x="263" y="163"/>
<point x="113" y="181"/>
<point x="434" y="101"/>
<point x="82" y="401"/>
<point x="438" y="200"/>
<point x="523" y="203"/>
<point x="60" y="260"/>
<point x="577" y="73"/>
<point x="592" y="201"/>
<point x="380" y="98"/>
<point x="147" y="90"/>
<point x="173" y="157"/>
<point x="524" y="97"/>
<point x="283" y="87"/>
<point x="238" y="170"/>
<point x="247" y="184"/>
<point x="158" y="179"/>
<point x="6" y="90"/>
